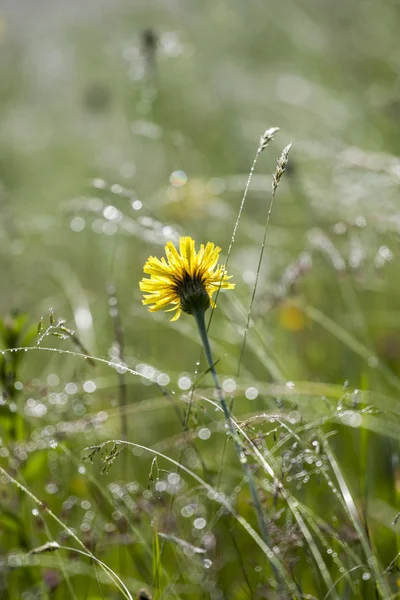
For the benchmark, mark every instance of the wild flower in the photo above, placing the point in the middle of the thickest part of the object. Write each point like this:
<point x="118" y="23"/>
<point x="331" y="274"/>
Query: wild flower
<point x="186" y="280"/>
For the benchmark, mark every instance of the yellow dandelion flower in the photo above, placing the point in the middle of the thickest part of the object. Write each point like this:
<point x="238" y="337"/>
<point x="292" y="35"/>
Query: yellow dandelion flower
<point x="186" y="280"/>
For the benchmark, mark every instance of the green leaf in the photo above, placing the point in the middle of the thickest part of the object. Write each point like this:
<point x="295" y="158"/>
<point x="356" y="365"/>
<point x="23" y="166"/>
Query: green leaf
<point x="9" y="522"/>
<point x="36" y="466"/>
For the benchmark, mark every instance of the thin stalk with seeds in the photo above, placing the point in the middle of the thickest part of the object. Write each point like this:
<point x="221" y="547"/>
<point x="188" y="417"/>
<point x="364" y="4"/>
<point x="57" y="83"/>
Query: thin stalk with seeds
<point x="279" y="171"/>
<point x="265" y="139"/>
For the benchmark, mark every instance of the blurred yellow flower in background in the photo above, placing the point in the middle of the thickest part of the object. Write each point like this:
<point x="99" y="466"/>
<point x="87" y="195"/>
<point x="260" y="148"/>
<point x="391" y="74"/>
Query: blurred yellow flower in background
<point x="187" y="280"/>
<point x="291" y="316"/>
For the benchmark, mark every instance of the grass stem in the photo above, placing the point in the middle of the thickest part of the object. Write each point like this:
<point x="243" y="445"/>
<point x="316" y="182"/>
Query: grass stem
<point x="199" y="315"/>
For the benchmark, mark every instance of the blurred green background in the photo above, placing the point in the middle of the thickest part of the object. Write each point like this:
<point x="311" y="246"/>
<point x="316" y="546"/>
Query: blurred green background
<point x="125" y="125"/>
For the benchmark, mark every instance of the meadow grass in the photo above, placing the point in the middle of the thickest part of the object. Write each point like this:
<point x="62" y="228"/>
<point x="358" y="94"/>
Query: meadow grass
<point x="133" y="465"/>
<point x="303" y="551"/>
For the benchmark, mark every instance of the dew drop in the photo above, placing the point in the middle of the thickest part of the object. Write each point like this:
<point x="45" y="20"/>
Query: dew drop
<point x="200" y="523"/>
<point x="229" y="385"/>
<point x="204" y="433"/>
<point x="178" y="179"/>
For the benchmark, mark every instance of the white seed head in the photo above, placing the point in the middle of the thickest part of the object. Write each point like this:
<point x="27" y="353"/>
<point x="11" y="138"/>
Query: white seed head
<point x="266" y="137"/>
<point x="280" y="167"/>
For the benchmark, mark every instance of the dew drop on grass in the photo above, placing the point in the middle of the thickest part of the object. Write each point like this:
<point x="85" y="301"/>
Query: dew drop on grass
<point x="89" y="387"/>
<point x="200" y="523"/>
<point x="187" y="511"/>
<point x="184" y="383"/>
<point x="207" y="563"/>
<point x="366" y="576"/>
<point x="229" y="385"/>
<point x="204" y="433"/>
<point x="136" y="205"/>
<point x="173" y="478"/>
<point x="77" y="224"/>
<point x="71" y="388"/>
<point x="116" y="188"/>
<point x="98" y="183"/>
<point x="161" y="486"/>
<point x="51" y="488"/>
<point x="14" y="561"/>
<point x="251" y="393"/>
<point x="53" y="379"/>
<point x="178" y="179"/>
<point x="163" y="379"/>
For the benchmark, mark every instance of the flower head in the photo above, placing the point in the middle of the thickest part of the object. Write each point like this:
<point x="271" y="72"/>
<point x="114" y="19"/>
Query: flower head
<point x="186" y="280"/>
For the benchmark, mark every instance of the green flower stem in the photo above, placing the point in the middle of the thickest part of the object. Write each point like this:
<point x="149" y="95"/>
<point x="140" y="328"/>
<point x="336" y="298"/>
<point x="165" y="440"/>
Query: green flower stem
<point x="199" y="315"/>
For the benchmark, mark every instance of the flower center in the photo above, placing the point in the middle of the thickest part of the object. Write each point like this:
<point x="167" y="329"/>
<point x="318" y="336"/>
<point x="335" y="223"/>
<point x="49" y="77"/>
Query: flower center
<point x="192" y="293"/>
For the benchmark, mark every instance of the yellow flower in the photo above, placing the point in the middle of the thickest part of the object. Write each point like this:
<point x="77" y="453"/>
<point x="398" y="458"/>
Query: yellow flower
<point x="186" y="281"/>
<point x="291" y="316"/>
